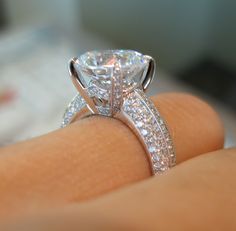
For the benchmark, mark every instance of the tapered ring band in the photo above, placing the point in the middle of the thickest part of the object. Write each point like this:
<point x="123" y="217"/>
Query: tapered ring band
<point x="131" y="106"/>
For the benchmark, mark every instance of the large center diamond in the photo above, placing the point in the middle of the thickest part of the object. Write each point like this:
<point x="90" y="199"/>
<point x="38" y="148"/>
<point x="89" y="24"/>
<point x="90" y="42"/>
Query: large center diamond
<point x="98" y="67"/>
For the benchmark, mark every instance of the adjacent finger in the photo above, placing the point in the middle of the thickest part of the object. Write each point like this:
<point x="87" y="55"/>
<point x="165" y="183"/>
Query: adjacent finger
<point x="198" y="194"/>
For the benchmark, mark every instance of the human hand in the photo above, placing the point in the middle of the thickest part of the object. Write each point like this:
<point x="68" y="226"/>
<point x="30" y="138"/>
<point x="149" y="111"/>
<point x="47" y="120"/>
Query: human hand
<point x="45" y="180"/>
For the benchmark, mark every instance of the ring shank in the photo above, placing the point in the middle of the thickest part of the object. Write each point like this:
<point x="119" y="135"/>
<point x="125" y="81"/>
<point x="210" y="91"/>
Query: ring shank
<point x="140" y="114"/>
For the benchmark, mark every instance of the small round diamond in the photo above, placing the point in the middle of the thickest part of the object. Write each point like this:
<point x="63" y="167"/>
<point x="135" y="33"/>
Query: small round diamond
<point x="152" y="149"/>
<point x="155" y="158"/>
<point x="144" y="132"/>
<point x="139" y="124"/>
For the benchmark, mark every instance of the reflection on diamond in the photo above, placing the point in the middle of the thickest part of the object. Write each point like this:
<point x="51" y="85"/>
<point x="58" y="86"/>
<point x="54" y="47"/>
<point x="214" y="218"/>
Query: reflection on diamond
<point x="101" y="66"/>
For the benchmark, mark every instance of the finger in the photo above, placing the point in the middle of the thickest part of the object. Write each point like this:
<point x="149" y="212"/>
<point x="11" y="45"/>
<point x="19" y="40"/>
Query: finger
<point x="198" y="194"/>
<point x="194" y="125"/>
<point x="97" y="155"/>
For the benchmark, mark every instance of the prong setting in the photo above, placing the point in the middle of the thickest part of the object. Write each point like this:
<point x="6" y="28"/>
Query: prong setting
<point x="149" y="73"/>
<point x="78" y="83"/>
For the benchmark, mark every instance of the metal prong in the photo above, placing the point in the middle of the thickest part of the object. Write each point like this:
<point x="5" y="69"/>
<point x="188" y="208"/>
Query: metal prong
<point x="77" y="81"/>
<point x="150" y="72"/>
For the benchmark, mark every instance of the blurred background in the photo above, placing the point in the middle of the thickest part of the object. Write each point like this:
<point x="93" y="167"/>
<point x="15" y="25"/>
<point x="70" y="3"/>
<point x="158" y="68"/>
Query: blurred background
<point x="192" y="41"/>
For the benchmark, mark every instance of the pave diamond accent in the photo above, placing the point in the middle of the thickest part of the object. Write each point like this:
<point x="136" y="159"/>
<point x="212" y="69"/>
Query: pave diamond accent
<point x="74" y="106"/>
<point x="117" y="90"/>
<point x="154" y="132"/>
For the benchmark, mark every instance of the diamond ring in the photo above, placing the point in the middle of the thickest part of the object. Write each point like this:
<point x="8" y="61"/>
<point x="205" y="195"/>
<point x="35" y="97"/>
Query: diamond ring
<point x="112" y="83"/>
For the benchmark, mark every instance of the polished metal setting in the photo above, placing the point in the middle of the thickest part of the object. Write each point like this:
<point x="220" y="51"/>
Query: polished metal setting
<point x="112" y="83"/>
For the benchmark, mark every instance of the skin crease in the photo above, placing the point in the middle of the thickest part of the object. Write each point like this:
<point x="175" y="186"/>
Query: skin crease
<point x="60" y="168"/>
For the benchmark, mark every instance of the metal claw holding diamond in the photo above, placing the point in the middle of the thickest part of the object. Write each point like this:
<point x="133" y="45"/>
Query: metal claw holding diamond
<point x="112" y="83"/>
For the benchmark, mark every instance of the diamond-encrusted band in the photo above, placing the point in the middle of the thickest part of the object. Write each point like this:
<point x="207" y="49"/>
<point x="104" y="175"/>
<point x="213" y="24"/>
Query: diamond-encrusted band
<point x="152" y="130"/>
<point x="76" y="105"/>
<point x="112" y="83"/>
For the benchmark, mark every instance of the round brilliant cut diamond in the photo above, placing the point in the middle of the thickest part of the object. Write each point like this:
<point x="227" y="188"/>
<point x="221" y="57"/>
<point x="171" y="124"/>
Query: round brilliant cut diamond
<point x="98" y="68"/>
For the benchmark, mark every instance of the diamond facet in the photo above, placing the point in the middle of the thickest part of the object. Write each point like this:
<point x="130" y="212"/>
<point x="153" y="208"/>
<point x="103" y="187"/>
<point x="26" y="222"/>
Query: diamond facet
<point x="109" y="75"/>
<point x="99" y="67"/>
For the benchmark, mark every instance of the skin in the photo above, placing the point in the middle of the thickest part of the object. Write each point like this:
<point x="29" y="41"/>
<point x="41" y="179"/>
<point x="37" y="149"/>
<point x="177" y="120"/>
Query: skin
<point x="66" y="179"/>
